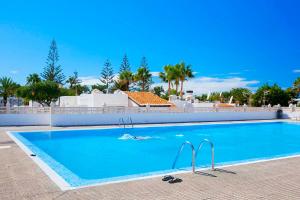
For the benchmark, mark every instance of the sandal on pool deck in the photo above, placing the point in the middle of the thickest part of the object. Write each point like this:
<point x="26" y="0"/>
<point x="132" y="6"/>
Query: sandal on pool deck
<point x="175" y="180"/>
<point x="167" y="178"/>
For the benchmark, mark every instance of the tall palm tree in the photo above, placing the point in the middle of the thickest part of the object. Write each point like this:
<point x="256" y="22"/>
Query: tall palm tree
<point x="167" y="76"/>
<point x="33" y="79"/>
<point x="74" y="82"/>
<point x="143" y="77"/>
<point x="125" y="79"/>
<point x="7" y="88"/>
<point x="176" y="76"/>
<point x="296" y="86"/>
<point x="185" y="73"/>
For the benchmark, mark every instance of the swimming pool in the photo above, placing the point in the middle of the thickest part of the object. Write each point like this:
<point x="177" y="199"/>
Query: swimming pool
<point x="85" y="157"/>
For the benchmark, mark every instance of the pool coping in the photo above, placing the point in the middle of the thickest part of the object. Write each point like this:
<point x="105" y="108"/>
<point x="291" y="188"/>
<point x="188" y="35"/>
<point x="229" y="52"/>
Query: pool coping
<point x="64" y="186"/>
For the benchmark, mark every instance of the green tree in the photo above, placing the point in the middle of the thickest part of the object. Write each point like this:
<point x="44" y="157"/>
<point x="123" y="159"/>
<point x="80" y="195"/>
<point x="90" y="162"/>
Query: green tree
<point x="83" y="89"/>
<point x="107" y="75"/>
<point x="53" y="71"/>
<point x="215" y="96"/>
<point x="74" y="82"/>
<point x="143" y="77"/>
<point x="44" y="92"/>
<point x="125" y="79"/>
<point x="262" y="95"/>
<point x="185" y="73"/>
<point x="144" y="62"/>
<point x="296" y="86"/>
<point x="7" y="88"/>
<point x="225" y="97"/>
<point x="125" y="66"/>
<point x="273" y="95"/>
<point x="292" y="94"/>
<point x="240" y="95"/>
<point x="167" y="76"/>
<point x="66" y="92"/>
<point x="176" y="71"/>
<point x="99" y="87"/>
<point x="202" y="97"/>
<point x="118" y="85"/>
<point x="33" y="79"/>
<point x="158" y="90"/>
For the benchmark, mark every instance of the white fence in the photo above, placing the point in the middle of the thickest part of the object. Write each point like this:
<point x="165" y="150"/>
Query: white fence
<point x="24" y="110"/>
<point x="134" y="110"/>
<point x="80" y="116"/>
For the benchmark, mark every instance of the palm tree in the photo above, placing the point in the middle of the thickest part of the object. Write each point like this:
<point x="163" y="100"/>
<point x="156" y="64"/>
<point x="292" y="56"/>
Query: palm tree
<point x="74" y="82"/>
<point x="176" y="76"/>
<point x="167" y="76"/>
<point x="185" y="73"/>
<point x="143" y="77"/>
<point x="33" y="79"/>
<point x="296" y="86"/>
<point x="125" y="79"/>
<point x="7" y="88"/>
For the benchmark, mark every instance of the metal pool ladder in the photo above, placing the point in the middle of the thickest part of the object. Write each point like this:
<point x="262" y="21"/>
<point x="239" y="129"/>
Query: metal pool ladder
<point x="124" y="123"/>
<point x="212" y="151"/>
<point x="195" y="153"/>
<point x="179" y="152"/>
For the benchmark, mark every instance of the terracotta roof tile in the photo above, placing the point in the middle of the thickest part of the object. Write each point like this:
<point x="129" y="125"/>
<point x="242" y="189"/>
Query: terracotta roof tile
<point x="145" y="98"/>
<point x="224" y="105"/>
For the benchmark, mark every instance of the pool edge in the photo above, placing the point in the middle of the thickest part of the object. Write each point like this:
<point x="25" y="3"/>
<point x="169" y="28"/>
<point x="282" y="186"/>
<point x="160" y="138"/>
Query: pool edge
<point x="55" y="177"/>
<point x="64" y="186"/>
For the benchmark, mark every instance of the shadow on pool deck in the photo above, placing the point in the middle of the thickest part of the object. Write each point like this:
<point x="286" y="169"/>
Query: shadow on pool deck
<point x="224" y="171"/>
<point x="205" y="174"/>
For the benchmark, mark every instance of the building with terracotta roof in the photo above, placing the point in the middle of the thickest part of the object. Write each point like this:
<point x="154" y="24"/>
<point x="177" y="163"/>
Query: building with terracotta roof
<point x="118" y="99"/>
<point x="143" y="99"/>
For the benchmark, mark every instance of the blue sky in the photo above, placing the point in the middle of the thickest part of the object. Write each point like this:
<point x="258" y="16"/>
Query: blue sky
<point x="229" y="43"/>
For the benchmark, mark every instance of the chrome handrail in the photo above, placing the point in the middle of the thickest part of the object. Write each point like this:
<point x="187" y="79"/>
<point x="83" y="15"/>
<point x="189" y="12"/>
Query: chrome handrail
<point x="128" y="122"/>
<point x="179" y="152"/>
<point x="121" y="122"/>
<point x="130" y="119"/>
<point x="212" y="151"/>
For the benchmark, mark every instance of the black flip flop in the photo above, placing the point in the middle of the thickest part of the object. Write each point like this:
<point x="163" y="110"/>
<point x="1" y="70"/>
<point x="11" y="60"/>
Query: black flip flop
<point x="175" y="180"/>
<point x="167" y="178"/>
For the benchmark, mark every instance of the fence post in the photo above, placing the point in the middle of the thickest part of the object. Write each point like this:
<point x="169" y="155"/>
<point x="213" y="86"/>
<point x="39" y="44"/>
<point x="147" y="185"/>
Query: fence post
<point x="7" y="107"/>
<point x="50" y="113"/>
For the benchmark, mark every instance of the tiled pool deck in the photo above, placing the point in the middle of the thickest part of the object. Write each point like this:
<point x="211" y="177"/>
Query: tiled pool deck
<point x="21" y="178"/>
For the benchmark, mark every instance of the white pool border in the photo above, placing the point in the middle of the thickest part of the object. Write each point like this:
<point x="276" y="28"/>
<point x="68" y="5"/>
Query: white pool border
<point x="63" y="185"/>
<point x="60" y="182"/>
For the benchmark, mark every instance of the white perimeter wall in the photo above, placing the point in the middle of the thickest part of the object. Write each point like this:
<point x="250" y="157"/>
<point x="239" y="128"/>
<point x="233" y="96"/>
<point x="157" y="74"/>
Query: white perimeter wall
<point x="291" y="115"/>
<point x="139" y="118"/>
<point x="24" y="119"/>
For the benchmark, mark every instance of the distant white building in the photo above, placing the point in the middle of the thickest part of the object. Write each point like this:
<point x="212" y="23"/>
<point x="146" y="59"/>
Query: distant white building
<point x="95" y="99"/>
<point x="189" y="101"/>
<point x="11" y="101"/>
<point x="119" y="98"/>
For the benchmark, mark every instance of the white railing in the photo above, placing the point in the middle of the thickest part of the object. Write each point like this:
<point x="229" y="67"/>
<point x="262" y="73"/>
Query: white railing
<point x="24" y="110"/>
<point x="128" y="110"/>
<point x="292" y="109"/>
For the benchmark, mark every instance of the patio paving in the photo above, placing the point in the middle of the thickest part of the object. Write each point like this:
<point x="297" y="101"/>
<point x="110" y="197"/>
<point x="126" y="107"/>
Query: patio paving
<point x="21" y="178"/>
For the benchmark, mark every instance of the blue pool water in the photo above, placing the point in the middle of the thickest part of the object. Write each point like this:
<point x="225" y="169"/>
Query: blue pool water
<point x="83" y="157"/>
